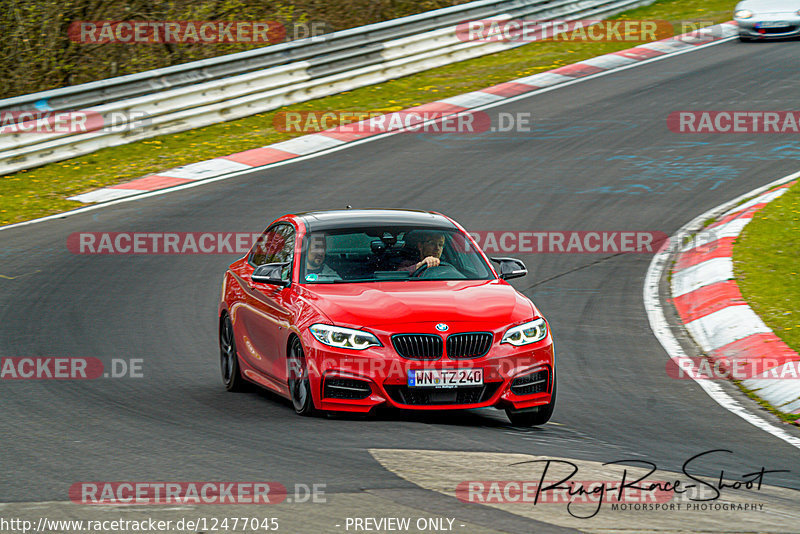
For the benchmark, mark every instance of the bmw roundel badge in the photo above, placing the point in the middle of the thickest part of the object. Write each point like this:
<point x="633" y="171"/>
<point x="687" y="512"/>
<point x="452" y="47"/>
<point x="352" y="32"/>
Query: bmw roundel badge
<point x="441" y="327"/>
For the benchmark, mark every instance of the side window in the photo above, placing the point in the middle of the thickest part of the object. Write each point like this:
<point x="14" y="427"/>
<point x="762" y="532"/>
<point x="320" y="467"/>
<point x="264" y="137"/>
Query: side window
<point x="276" y="245"/>
<point x="258" y="254"/>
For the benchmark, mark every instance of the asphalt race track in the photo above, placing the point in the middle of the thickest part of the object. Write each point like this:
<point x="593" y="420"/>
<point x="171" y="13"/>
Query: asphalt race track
<point x="600" y="158"/>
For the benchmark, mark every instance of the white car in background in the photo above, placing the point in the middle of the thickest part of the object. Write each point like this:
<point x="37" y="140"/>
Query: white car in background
<point x="767" y="19"/>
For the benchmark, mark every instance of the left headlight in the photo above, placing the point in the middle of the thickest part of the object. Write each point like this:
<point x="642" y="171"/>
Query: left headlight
<point x="743" y="14"/>
<point x="526" y="334"/>
<point x="343" y="338"/>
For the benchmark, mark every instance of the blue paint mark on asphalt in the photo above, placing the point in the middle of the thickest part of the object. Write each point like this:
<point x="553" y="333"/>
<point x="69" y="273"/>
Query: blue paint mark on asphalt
<point x="788" y="151"/>
<point x="692" y="172"/>
<point x="551" y="130"/>
<point x="668" y="174"/>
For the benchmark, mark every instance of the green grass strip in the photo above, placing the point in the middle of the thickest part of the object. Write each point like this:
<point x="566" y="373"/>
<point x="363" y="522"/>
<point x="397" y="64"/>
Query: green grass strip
<point x="766" y="262"/>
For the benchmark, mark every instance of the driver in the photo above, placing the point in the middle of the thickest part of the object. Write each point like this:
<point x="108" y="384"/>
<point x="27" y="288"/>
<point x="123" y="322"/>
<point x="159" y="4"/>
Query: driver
<point x="430" y="246"/>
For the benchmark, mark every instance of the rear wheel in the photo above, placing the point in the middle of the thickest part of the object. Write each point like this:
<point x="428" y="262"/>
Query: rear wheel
<point x="536" y="416"/>
<point x="229" y="359"/>
<point x="299" y="385"/>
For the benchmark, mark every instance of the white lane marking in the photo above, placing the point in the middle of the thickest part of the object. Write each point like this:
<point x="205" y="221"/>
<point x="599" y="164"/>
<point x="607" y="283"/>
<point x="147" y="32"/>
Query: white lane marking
<point x="661" y="328"/>
<point x="666" y="47"/>
<point x="102" y="195"/>
<point x="703" y="274"/>
<point x="307" y="144"/>
<point x="544" y="79"/>
<point x="609" y="61"/>
<point x="725" y="326"/>
<point x="204" y="169"/>
<point x="194" y="171"/>
<point x="473" y="99"/>
<point x="370" y="139"/>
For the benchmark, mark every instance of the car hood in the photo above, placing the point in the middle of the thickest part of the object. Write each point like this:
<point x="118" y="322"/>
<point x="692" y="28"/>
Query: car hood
<point x="492" y="302"/>
<point x="769" y="6"/>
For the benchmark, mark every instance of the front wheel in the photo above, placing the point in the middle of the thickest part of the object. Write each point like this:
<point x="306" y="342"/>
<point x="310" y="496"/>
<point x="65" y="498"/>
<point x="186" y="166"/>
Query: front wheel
<point x="299" y="385"/>
<point x="536" y="416"/>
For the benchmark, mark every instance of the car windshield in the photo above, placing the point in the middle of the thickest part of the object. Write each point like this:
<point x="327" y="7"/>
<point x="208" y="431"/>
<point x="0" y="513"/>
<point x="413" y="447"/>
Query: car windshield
<point x="390" y="254"/>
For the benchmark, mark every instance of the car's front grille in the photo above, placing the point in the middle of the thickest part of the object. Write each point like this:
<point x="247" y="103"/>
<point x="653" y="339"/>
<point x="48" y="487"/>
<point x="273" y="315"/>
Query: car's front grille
<point x="778" y="30"/>
<point x="418" y="346"/>
<point x="346" y="388"/>
<point x="430" y="346"/>
<point x="471" y="345"/>
<point x="431" y="396"/>
<point x="530" y="383"/>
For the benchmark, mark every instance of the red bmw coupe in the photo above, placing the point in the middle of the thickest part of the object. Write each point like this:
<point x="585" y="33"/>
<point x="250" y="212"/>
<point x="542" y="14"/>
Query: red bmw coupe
<point x="347" y="310"/>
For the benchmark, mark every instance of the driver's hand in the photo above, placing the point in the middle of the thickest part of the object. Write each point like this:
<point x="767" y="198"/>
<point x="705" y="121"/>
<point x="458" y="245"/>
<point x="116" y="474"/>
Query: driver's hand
<point x="430" y="261"/>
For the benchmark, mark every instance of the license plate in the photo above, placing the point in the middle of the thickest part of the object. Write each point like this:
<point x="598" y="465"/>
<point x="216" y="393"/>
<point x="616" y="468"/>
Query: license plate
<point x="772" y="24"/>
<point x="445" y="378"/>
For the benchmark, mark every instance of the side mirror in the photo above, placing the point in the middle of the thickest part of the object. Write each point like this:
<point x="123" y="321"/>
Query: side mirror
<point x="270" y="274"/>
<point x="510" y="268"/>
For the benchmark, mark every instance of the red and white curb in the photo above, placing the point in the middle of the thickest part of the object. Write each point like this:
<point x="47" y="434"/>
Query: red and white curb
<point x="719" y="390"/>
<point x="712" y="308"/>
<point x="335" y="137"/>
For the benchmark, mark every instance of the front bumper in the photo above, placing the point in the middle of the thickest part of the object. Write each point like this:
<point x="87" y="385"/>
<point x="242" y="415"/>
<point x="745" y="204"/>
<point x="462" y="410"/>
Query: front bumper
<point x="357" y="381"/>
<point x="772" y="26"/>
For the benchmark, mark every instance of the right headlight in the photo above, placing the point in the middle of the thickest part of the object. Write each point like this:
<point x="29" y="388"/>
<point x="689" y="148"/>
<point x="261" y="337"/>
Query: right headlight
<point x="343" y="338"/>
<point x="527" y="333"/>
<point x="743" y="14"/>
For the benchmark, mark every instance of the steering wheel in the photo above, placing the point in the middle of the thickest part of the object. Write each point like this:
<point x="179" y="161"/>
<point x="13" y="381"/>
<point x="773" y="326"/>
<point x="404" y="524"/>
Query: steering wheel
<point x="424" y="266"/>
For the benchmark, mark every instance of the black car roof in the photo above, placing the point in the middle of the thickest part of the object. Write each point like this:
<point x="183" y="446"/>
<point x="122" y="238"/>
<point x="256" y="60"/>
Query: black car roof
<point x="316" y="221"/>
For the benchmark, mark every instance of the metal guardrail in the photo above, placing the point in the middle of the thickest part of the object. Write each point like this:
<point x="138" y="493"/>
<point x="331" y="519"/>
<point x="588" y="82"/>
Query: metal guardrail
<point x="318" y="50"/>
<point x="238" y="85"/>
